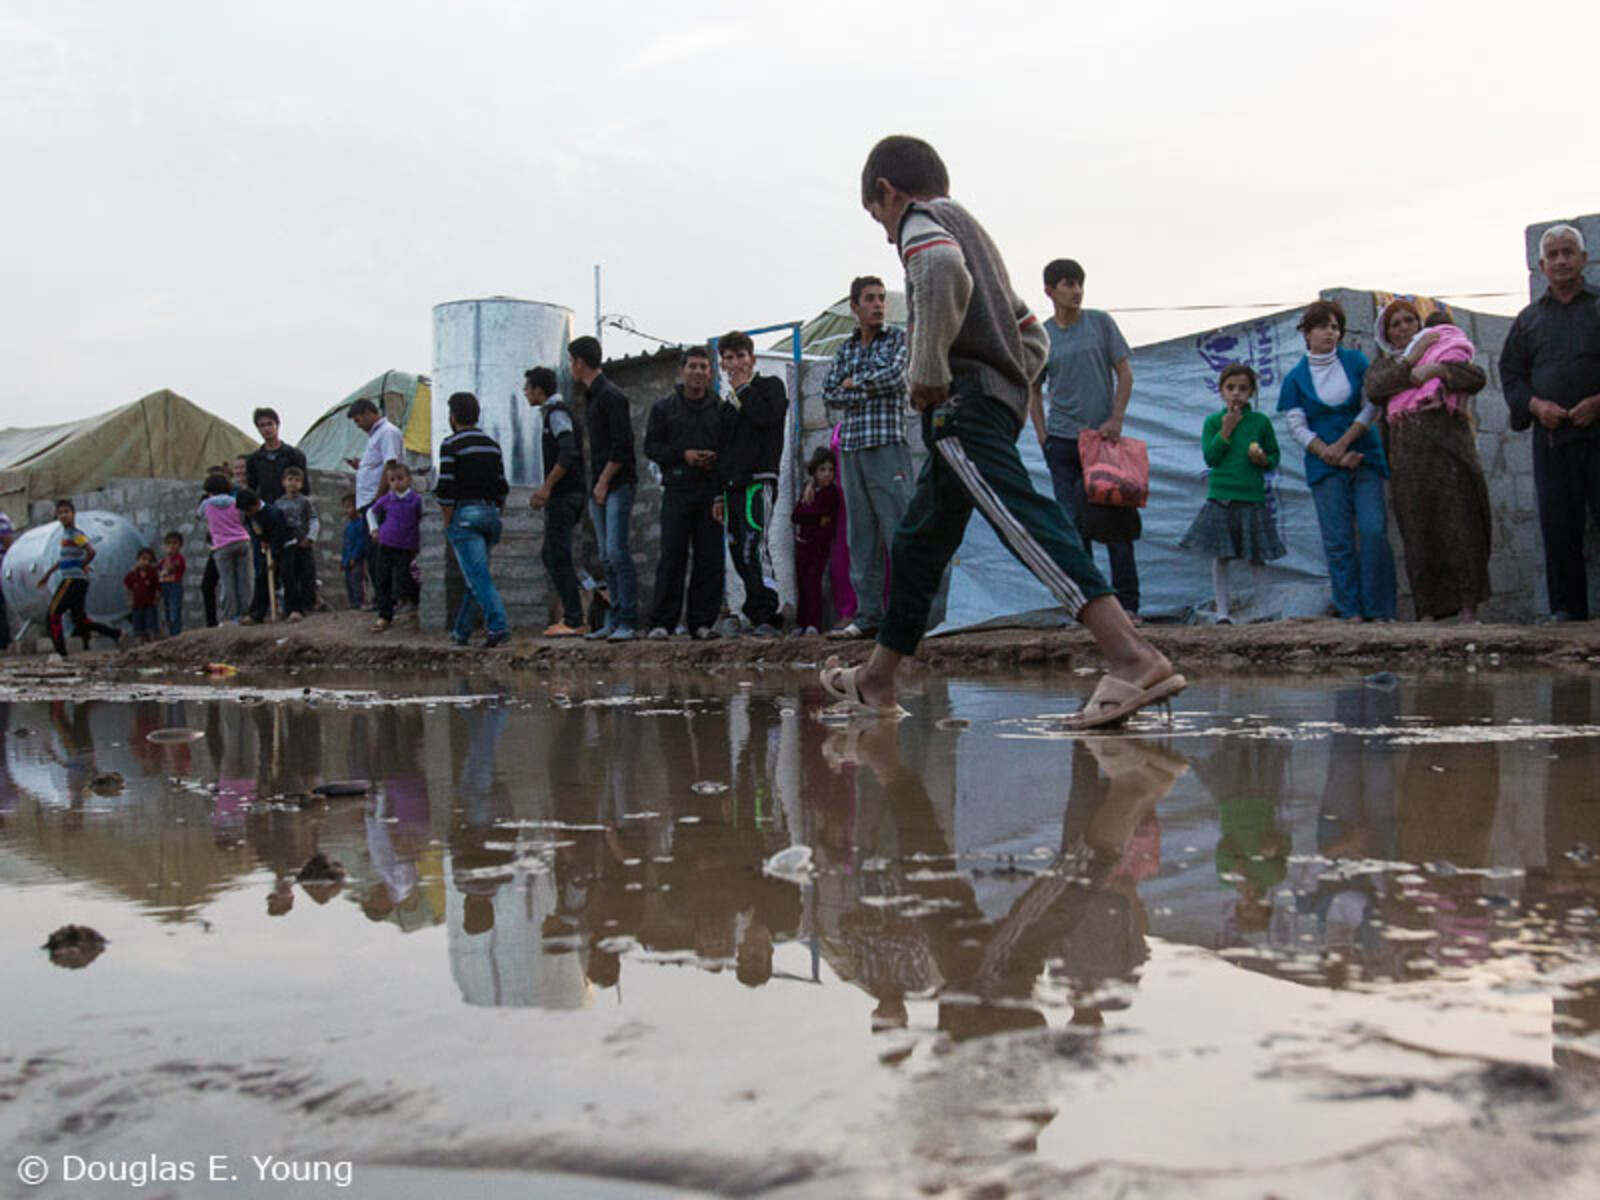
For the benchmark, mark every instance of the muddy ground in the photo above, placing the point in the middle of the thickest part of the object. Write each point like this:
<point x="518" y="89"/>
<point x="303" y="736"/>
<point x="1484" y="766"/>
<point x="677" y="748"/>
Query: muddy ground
<point x="345" y="640"/>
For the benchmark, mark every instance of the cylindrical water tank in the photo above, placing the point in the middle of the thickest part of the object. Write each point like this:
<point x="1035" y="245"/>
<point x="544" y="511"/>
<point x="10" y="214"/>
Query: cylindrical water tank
<point x="116" y="546"/>
<point x="483" y="347"/>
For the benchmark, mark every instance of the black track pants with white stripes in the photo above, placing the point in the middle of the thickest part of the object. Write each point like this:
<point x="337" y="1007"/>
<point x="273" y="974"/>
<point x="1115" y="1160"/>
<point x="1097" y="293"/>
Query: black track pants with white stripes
<point x="974" y="463"/>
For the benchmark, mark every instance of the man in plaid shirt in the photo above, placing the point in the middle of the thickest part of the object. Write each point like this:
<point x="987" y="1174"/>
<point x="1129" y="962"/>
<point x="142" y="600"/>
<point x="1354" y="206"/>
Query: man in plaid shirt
<point x="866" y="391"/>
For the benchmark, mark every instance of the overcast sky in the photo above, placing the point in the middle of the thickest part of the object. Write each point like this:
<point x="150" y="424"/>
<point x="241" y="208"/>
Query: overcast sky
<point x="256" y="203"/>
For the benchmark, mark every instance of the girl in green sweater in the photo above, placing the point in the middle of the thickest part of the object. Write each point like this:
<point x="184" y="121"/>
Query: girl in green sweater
<point x="1239" y="448"/>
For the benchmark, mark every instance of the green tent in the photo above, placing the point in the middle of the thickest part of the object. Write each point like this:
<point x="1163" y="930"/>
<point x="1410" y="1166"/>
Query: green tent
<point x="405" y="399"/>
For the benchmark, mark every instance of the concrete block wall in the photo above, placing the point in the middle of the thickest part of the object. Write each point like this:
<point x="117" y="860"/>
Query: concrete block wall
<point x="155" y="506"/>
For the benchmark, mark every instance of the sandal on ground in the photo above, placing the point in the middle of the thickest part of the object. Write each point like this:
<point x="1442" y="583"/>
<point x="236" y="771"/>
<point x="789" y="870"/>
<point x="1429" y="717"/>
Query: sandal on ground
<point x="1114" y="700"/>
<point x="840" y="683"/>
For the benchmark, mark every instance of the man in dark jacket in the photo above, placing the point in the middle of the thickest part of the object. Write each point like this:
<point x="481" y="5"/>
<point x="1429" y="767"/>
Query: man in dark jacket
<point x="615" y="477"/>
<point x="748" y="469"/>
<point x="684" y="438"/>
<point x="263" y="475"/>
<point x="561" y="496"/>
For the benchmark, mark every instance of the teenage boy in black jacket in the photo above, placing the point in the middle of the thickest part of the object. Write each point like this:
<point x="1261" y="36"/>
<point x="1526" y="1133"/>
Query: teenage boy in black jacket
<point x="749" y="473"/>
<point x="685" y="437"/>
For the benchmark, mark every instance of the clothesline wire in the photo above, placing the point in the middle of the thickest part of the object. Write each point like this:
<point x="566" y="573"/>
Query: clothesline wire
<point x="623" y="322"/>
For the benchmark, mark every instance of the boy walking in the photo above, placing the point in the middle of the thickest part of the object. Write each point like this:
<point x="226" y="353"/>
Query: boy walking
<point x="975" y="350"/>
<point x="73" y="556"/>
<point x="171" y="570"/>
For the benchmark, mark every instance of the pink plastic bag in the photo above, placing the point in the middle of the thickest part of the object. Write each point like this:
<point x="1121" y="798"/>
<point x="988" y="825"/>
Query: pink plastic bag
<point x="1115" y="473"/>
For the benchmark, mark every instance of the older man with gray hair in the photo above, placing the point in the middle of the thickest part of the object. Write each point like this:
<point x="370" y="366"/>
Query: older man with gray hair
<point x="1550" y="371"/>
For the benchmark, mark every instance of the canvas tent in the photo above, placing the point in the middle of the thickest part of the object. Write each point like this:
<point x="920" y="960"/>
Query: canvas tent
<point x="162" y="436"/>
<point x="821" y="336"/>
<point x="405" y="399"/>
<point x="1174" y="389"/>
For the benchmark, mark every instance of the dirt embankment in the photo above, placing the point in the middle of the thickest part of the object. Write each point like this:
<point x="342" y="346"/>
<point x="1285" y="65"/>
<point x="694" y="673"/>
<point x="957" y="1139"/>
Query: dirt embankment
<point x="345" y="640"/>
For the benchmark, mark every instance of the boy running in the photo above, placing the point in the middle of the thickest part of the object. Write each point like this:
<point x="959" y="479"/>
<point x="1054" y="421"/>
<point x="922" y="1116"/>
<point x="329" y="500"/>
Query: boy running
<point x="72" y="561"/>
<point x="975" y="351"/>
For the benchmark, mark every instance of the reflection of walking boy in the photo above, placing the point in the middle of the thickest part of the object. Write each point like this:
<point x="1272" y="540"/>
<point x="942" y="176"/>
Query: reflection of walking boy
<point x="749" y="472"/>
<point x="72" y="563"/>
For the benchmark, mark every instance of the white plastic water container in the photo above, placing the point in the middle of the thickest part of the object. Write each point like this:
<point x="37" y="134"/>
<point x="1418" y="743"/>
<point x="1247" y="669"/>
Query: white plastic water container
<point x="483" y="347"/>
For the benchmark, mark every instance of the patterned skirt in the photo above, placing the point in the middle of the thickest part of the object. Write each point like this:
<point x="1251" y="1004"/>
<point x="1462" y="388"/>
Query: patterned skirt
<point x="1235" y="529"/>
<point x="1441" y="504"/>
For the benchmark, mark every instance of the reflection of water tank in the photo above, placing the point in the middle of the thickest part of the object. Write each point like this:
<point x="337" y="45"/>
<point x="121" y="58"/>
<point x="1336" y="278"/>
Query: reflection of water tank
<point x="116" y="546"/>
<point x="483" y="347"/>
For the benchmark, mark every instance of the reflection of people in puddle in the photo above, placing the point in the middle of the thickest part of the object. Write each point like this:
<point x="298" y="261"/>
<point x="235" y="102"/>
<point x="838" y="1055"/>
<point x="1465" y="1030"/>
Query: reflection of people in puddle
<point x="398" y="823"/>
<point x="498" y="903"/>
<point x="1248" y="776"/>
<point x="917" y="927"/>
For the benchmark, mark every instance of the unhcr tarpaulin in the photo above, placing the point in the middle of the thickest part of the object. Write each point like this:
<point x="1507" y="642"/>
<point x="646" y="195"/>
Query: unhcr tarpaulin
<point x="162" y="436"/>
<point x="406" y="400"/>
<point x="1174" y="390"/>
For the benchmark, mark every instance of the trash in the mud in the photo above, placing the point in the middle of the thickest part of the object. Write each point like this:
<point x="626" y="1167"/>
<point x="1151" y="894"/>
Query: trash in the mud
<point x="337" y="788"/>
<point x="1383" y="681"/>
<point x="74" y="946"/>
<point x="953" y="723"/>
<point x="176" y="733"/>
<point x="792" y="864"/>
<point x="107" y="784"/>
<point x="220" y="670"/>
<point x="708" y="787"/>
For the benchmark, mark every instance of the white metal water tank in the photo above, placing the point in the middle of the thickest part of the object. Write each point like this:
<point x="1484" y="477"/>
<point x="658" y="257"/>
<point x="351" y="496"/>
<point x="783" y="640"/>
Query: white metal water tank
<point x="116" y="546"/>
<point x="483" y="347"/>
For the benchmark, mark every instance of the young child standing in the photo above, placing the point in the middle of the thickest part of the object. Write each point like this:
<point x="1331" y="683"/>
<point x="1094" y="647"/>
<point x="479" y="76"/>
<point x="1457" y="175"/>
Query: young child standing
<point x="143" y="584"/>
<point x="73" y="556"/>
<point x="297" y="571"/>
<point x="230" y="544"/>
<point x="399" y="538"/>
<point x="816" y="522"/>
<point x="1240" y="448"/>
<point x="170" y="570"/>
<point x="353" y="554"/>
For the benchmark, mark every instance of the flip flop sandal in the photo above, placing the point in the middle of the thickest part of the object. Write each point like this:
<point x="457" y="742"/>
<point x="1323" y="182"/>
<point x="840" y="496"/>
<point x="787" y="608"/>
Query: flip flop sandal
<point x="1113" y="700"/>
<point x="840" y="683"/>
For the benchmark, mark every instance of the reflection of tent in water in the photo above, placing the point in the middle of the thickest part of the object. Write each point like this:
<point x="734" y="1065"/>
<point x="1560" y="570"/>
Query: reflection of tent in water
<point x="1174" y="390"/>
<point x="407" y="400"/>
<point x="162" y="436"/>
<point x="824" y="333"/>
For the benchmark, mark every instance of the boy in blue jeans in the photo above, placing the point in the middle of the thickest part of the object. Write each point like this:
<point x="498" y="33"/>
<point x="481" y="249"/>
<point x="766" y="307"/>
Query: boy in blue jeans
<point x="975" y="351"/>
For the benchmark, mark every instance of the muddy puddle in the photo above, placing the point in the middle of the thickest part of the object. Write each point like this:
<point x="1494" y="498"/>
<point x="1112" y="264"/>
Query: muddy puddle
<point x="652" y="937"/>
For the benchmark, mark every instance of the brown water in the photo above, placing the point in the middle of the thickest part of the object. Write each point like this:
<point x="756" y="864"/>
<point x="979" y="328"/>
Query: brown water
<point x="1275" y="933"/>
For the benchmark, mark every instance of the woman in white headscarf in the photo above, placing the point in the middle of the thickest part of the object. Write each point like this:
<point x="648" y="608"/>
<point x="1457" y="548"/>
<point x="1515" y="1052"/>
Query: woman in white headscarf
<point x="1424" y="382"/>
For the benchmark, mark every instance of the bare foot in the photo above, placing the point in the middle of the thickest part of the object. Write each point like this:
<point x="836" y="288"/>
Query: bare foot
<point x="1145" y="666"/>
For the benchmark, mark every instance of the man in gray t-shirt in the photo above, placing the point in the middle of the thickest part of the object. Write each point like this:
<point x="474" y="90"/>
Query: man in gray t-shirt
<point x="1087" y="381"/>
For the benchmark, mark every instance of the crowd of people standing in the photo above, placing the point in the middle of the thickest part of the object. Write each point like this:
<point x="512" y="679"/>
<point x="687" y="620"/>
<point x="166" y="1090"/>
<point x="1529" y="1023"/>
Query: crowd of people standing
<point x="868" y="519"/>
